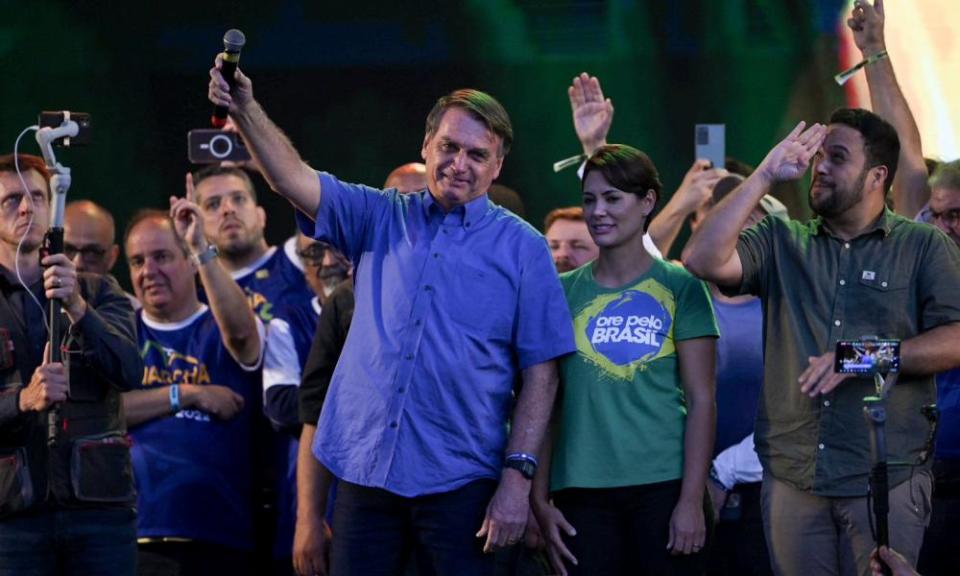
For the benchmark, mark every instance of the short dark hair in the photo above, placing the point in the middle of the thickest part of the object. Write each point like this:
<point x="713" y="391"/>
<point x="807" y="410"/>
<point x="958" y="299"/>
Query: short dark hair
<point x="626" y="169"/>
<point x="881" y="145"/>
<point x="508" y="198"/>
<point x="218" y="170"/>
<point x="27" y="162"/>
<point x="572" y="213"/>
<point x="947" y="175"/>
<point x="153" y="214"/>
<point x="482" y="107"/>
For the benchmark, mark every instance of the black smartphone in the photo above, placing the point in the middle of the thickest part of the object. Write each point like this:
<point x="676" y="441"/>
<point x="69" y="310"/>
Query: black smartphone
<point x="867" y="357"/>
<point x="710" y="142"/>
<point x="50" y="119"/>
<point x="209" y="146"/>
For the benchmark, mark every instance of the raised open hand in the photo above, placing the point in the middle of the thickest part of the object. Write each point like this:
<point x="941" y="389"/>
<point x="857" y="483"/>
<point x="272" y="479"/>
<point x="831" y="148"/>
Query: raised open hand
<point x="592" y="113"/>
<point x="790" y="159"/>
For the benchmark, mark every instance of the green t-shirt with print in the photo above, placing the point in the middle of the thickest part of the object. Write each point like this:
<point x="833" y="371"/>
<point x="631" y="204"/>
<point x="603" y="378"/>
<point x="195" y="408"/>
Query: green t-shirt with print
<point x="622" y="407"/>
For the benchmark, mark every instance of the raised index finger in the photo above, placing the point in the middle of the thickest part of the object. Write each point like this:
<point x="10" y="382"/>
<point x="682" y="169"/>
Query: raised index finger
<point x="188" y="181"/>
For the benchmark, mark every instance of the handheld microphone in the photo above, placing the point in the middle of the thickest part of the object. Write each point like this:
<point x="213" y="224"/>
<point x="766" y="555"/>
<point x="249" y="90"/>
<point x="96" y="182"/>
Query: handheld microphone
<point x="233" y="42"/>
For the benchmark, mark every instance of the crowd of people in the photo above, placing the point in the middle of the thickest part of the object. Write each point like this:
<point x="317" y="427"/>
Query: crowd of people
<point x="420" y="382"/>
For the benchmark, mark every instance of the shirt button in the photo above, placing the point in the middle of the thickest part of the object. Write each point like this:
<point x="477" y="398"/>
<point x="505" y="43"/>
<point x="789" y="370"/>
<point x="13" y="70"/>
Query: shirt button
<point x="408" y="356"/>
<point x="843" y="282"/>
<point x="428" y="287"/>
<point x="820" y="446"/>
<point x="836" y="322"/>
<point x="826" y="403"/>
<point x="394" y="425"/>
<point x="846" y="245"/>
<point x="444" y="230"/>
<point x="416" y="322"/>
<point x="402" y="390"/>
<point x="884" y="284"/>
<point x="436" y="254"/>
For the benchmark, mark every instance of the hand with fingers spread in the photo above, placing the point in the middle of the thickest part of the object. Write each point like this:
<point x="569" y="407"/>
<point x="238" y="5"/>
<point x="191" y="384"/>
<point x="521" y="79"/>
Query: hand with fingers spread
<point x="552" y="523"/>
<point x="187" y="218"/>
<point x="688" y="529"/>
<point x="60" y="281"/>
<point x="47" y="386"/>
<point x="790" y="159"/>
<point x="819" y="377"/>
<point x="592" y="113"/>
<point x="506" y="517"/>
<point x="866" y="22"/>
<point x="219" y="92"/>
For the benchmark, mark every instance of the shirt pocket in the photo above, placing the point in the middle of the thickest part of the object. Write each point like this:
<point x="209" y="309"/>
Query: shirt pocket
<point x="883" y="302"/>
<point x="16" y="488"/>
<point x="483" y="301"/>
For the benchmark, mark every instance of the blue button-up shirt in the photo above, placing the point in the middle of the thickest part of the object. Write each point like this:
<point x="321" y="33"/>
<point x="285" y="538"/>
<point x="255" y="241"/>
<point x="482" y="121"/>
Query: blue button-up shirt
<point x="449" y="307"/>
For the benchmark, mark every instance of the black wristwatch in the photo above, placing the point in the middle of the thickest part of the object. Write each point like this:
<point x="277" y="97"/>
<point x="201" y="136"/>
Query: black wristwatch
<point x="525" y="467"/>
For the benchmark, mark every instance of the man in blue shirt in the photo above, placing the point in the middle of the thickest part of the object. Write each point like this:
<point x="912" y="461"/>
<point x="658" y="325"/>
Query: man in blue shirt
<point x="454" y="297"/>
<point x="191" y="417"/>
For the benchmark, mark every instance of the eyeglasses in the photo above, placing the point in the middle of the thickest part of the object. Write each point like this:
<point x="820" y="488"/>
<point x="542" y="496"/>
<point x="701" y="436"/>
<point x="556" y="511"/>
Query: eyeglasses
<point x="315" y="252"/>
<point x="949" y="217"/>
<point x="91" y="253"/>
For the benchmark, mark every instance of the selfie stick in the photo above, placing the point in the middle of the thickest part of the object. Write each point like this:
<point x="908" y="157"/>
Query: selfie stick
<point x="59" y="184"/>
<point x="875" y="411"/>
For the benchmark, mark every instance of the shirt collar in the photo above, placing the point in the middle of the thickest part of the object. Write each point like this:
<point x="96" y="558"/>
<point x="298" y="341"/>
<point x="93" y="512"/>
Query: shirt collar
<point x="884" y="224"/>
<point x="469" y="213"/>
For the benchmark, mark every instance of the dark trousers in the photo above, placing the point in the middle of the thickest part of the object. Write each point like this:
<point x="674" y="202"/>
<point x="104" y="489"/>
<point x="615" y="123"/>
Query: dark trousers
<point x="69" y="542"/>
<point x="376" y="532"/>
<point x="624" y="531"/>
<point x="938" y="556"/>
<point x="739" y="547"/>
<point x="193" y="559"/>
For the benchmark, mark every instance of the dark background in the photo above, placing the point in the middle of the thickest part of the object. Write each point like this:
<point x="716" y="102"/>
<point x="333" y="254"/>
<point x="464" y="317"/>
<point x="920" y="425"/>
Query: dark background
<point x="351" y="82"/>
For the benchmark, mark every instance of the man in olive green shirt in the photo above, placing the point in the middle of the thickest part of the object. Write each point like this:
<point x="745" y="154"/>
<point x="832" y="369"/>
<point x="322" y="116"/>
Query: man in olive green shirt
<point x="856" y="269"/>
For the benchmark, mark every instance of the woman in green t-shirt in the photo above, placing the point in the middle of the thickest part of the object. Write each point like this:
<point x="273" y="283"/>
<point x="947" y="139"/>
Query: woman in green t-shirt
<point x="633" y="427"/>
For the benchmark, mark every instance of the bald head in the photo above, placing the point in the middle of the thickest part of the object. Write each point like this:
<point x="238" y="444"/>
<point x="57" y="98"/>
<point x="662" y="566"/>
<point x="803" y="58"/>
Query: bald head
<point x="408" y="178"/>
<point x="89" y="237"/>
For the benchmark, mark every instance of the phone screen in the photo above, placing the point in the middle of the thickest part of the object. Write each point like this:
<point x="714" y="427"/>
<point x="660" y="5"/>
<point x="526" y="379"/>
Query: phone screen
<point x="710" y="143"/>
<point x="867" y="356"/>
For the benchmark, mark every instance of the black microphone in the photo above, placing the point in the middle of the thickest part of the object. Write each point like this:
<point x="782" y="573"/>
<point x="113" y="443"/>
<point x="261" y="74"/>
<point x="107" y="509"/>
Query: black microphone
<point x="233" y="42"/>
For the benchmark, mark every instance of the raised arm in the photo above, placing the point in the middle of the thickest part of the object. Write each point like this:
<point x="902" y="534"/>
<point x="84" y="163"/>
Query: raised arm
<point x="711" y="253"/>
<point x="592" y="113"/>
<point x="279" y="161"/>
<point x="910" y="190"/>
<point x="695" y="190"/>
<point x="238" y="325"/>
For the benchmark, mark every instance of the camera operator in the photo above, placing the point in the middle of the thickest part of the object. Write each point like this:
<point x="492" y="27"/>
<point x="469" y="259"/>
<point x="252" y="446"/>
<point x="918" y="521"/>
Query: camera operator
<point x="66" y="503"/>
<point x="855" y="269"/>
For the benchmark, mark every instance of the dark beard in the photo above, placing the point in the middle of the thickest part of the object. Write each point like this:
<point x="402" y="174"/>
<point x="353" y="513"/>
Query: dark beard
<point x="840" y="200"/>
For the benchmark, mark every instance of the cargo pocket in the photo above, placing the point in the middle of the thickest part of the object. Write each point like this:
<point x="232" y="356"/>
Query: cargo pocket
<point x="16" y="489"/>
<point x="101" y="469"/>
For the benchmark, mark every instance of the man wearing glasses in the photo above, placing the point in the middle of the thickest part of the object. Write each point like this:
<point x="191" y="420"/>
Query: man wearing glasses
<point x="89" y="234"/>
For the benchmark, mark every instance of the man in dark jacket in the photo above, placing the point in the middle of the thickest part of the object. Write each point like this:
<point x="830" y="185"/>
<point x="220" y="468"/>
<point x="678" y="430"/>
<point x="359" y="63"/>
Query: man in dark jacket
<point x="66" y="497"/>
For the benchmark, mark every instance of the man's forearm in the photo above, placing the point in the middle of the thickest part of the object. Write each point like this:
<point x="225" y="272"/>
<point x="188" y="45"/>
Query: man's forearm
<point x="313" y="479"/>
<point x="141" y="406"/>
<point x="910" y="184"/>
<point x="279" y="161"/>
<point x="530" y="417"/>
<point x="714" y="242"/>
<point x="238" y="325"/>
<point x="931" y="352"/>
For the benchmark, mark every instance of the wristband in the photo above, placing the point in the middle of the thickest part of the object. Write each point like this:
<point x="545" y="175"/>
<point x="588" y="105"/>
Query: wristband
<point x="523" y="457"/>
<point x="842" y="77"/>
<point x="206" y="255"/>
<point x="175" y="398"/>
